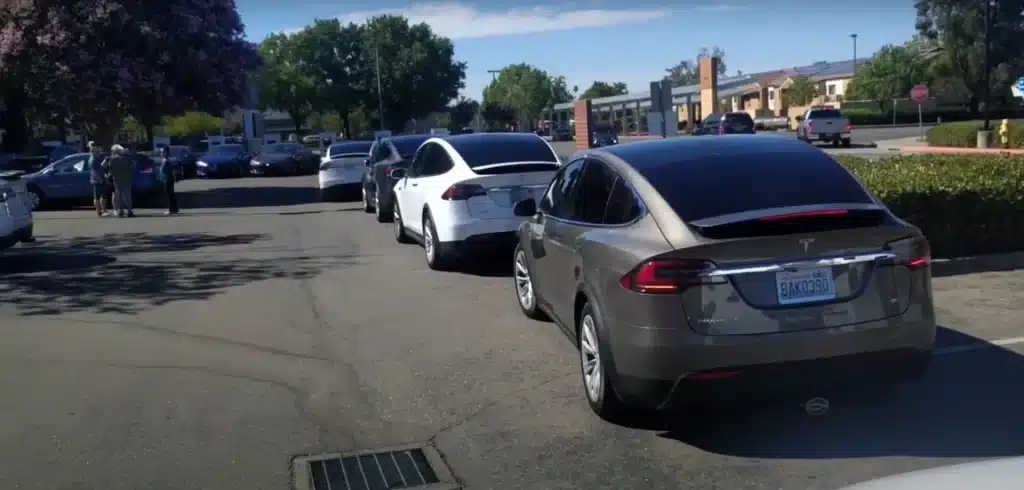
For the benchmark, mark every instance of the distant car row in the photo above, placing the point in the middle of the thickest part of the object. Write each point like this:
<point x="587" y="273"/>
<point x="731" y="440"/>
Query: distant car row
<point x="686" y="270"/>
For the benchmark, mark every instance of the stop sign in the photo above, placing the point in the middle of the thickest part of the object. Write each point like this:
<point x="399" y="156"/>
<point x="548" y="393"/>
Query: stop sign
<point x="919" y="93"/>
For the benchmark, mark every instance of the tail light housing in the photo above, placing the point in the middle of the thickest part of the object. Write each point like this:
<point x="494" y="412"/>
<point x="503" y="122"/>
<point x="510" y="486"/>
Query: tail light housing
<point x="809" y="214"/>
<point x="810" y="127"/>
<point x="462" y="192"/>
<point x="670" y="276"/>
<point x="849" y="128"/>
<point x="913" y="252"/>
<point x="721" y="129"/>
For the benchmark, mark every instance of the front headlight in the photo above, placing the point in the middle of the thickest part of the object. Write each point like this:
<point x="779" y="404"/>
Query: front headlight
<point x="253" y="162"/>
<point x="201" y="164"/>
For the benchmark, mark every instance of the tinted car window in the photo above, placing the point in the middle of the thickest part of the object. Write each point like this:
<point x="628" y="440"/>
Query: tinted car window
<point x="594" y="189"/>
<point x="720" y="185"/>
<point x="496" y="152"/>
<point x="739" y="118"/>
<point x="408" y="145"/>
<point x="352" y="148"/>
<point x="435" y="161"/>
<point x="622" y="204"/>
<point x="560" y="199"/>
<point x="824" y="114"/>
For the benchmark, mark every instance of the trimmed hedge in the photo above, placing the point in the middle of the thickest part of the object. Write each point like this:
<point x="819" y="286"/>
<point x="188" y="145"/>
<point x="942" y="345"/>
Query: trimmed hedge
<point x="860" y="116"/>
<point x="965" y="205"/>
<point x="964" y="134"/>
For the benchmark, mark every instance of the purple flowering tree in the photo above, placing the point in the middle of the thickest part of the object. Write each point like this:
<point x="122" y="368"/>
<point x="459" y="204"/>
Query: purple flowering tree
<point x="105" y="59"/>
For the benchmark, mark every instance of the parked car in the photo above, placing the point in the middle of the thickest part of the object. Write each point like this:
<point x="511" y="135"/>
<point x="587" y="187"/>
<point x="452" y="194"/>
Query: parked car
<point x="226" y="160"/>
<point x="457" y="194"/>
<point x="386" y="155"/>
<point x="604" y="135"/>
<point x="695" y="270"/>
<point x="719" y="123"/>
<point x="992" y="474"/>
<point x="15" y="210"/>
<point x="561" y="134"/>
<point x="825" y="124"/>
<point x="285" y="159"/>
<point x="66" y="181"/>
<point x="342" y="169"/>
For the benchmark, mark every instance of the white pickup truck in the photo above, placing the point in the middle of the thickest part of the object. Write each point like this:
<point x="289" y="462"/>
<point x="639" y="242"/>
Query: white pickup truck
<point x="825" y="124"/>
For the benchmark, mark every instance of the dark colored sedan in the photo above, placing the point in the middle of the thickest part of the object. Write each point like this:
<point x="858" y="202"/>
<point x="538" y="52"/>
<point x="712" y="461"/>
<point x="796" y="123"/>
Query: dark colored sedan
<point x="703" y="270"/>
<point x="604" y="136"/>
<point x="228" y="160"/>
<point x="387" y="154"/>
<point x="285" y="159"/>
<point x="718" y="124"/>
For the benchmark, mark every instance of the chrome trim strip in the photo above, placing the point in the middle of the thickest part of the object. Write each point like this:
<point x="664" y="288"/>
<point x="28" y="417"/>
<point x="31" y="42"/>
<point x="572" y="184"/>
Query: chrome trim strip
<point x="803" y="264"/>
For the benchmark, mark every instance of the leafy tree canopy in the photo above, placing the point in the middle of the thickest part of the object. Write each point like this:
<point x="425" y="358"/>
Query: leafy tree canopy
<point x="525" y="90"/>
<point x="687" y="72"/>
<point x="801" y="92"/>
<point x="603" y="89"/>
<point x="891" y="74"/>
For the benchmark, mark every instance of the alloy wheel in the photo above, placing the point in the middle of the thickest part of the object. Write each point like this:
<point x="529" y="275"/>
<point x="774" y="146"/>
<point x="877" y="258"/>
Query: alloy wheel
<point x="428" y="239"/>
<point x="34" y="200"/>
<point x="524" y="284"/>
<point x="397" y="219"/>
<point x="590" y="357"/>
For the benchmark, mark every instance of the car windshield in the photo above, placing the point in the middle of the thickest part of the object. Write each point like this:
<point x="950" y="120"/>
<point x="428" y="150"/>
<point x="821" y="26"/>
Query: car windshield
<point x="754" y="181"/>
<point x="282" y="148"/>
<point x="352" y="148"/>
<point x="824" y="114"/>
<point x="226" y="150"/>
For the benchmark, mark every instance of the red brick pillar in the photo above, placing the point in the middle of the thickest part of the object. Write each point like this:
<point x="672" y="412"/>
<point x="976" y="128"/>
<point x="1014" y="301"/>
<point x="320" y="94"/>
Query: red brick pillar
<point x="584" y="117"/>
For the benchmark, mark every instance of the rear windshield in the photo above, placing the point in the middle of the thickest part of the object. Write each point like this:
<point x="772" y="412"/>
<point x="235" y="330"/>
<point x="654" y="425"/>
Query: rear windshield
<point x="536" y="155"/>
<point x="739" y="118"/>
<point x="824" y="114"/>
<point x="408" y="146"/>
<point x="730" y="184"/>
<point x="351" y="148"/>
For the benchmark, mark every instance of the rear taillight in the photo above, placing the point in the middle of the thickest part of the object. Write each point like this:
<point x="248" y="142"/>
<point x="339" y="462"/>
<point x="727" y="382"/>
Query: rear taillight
<point x="669" y="276"/>
<point x="849" y="128"/>
<point x="721" y="129"/>
<point x="461" y="192"/>
<point x="913" y="252"/>
<point x="810" y="127"/>
<point x="808" y="214"/>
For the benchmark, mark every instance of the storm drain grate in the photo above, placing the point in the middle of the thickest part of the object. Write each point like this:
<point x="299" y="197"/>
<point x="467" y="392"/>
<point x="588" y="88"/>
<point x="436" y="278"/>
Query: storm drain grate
<point x="419" y="468"/>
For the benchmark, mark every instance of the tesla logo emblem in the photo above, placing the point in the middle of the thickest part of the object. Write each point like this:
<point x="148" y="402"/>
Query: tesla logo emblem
<point x="816" y="406"/>
<point x="806" y="242"/>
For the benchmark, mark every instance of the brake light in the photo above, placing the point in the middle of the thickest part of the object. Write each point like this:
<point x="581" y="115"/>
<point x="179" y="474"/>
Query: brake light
<point x="462" y="192"/>
<point x="387" y="170"/>
<point x="913" y="253"/>
<point x="808" y="214"/>
<point x="810" y="127"/>
<point x="721" y="129"/>
<point x="849" y="128"/>
<point x="670" y="276"/>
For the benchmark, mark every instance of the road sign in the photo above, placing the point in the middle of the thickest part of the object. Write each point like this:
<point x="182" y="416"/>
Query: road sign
<point x="919" y="93"/>
<point x="1018" y="88"/>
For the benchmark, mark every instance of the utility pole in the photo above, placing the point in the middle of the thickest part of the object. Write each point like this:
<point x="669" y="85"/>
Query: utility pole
<point x="988" y="68"/>
<point x="854" y="37"/>
<point x="380" y="94"/>
<point x="494" y="74"/>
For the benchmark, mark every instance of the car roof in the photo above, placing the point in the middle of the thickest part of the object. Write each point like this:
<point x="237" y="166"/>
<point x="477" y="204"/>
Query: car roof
<point x="465" y="142"/>
<point x="648" y="155"/>
<point x="410" y="137"/>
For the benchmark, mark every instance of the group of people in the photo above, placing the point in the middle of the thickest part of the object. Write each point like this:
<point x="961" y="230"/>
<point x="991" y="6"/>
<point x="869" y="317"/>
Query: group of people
<point x="112" y="178"/>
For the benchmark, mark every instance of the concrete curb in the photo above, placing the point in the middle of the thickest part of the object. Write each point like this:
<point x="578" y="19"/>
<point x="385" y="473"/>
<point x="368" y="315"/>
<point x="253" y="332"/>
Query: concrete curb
<point x="978" y="263"/>
<point x="965" y="151"/>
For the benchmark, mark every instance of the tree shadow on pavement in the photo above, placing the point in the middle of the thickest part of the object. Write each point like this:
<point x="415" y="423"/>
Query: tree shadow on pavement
<point x="248" y="197"/>
<point x="102" y="274"/>
<point x="968" y="406"/>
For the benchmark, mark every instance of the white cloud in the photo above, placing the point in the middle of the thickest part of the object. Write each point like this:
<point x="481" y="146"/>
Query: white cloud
<point x="458" y="21"/>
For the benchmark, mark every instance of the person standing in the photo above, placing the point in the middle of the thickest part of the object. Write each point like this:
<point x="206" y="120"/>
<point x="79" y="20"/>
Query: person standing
<point x="167" y="178"/>
<point x="98" y="179"/>
<point x="122" y="170"/>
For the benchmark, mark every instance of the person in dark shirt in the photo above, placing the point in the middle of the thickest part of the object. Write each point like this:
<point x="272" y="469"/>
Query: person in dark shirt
<point x="98" y="179"/>
<point x="167" y="179"/>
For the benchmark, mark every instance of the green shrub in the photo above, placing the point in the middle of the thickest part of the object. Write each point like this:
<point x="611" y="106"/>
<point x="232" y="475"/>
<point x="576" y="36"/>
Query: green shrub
<point x="965" y="205"/>
<point x="964" y="134"/>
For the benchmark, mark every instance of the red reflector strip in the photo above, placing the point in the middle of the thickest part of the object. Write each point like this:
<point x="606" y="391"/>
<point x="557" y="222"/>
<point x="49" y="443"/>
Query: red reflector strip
<point x="919" y="263"/>
<point x="715" y="375"/>
<point x="809" y="214"/>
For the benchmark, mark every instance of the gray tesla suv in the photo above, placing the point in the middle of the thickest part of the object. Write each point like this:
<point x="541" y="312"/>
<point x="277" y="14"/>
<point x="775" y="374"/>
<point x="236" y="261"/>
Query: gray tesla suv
<point x="702" y="270"/>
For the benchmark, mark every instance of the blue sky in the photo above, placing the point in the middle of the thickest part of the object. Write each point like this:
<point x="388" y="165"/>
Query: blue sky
<point x="632" y="42"/>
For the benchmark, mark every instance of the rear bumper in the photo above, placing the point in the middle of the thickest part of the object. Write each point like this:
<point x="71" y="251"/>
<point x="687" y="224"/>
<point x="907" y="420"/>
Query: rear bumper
<point x="463" y="226"/>
<point x="830" y="136"/>
<point x="659" y="367"/>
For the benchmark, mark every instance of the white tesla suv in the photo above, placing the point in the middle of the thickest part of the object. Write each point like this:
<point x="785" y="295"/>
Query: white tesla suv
<point x="458" y="193"/>
<point x="342" y="169"/>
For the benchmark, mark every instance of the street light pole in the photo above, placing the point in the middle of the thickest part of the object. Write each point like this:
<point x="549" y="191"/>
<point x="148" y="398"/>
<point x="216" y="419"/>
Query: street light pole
<point x="380" y="94"/>
<point x="854" y="37"/>
<point x="988" y="68"/>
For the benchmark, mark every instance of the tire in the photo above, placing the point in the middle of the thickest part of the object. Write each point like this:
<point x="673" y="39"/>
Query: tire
<point x="367" y="208"/>
<point x="382" y="214"/>
<point x="438" y="254"/>
<point x="36" y="198"/>
<point x="846" y="142"/>
<point x="521" y="275"/>
<point x="593" y="359"/>
<point x="835" y="143"/>
<point x="400" y="235"/>
<point x="325" y="196"/>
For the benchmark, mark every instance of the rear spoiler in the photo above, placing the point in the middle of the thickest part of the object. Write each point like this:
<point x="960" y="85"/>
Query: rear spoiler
<point x="512" y="164"/>
<point x="793" y="211"/>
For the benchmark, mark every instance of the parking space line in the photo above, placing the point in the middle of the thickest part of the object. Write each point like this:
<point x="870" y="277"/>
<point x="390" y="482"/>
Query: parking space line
<point x="978" y="346"/>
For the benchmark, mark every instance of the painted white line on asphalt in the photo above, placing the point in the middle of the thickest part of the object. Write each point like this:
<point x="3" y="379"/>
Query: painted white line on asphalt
<point x="988" y="344"/>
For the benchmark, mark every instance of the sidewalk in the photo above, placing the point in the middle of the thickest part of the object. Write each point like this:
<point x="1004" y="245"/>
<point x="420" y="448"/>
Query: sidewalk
<point x="913" y="144"/>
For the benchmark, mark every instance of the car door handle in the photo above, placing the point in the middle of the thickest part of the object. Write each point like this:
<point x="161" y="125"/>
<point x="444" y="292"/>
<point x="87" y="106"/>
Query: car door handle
<point x="413" y="184"/>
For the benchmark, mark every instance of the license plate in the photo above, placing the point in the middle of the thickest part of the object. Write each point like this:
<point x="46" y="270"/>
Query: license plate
<point x="805" y="286"/>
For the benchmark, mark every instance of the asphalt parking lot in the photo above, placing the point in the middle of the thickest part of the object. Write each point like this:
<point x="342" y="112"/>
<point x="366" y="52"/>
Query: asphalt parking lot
<point x="207" y="350"/>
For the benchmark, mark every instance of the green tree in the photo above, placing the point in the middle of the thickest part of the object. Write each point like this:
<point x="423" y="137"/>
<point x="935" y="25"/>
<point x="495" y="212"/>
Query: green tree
<point x="192" y="123"/>
<point x="285" y="84"/>
<point x="687" y="72"/>
<point x="525" y="90"/>
<point x="497" y="116"/>
<point x="332" y="55"/>
<point x="801" y="92"/>
<point x="956" y="29"/>
<point x="418" y="72"/>
<point x="462" y="112"/>
<point x="890" y="74"/>
<point x="603" y="89"/>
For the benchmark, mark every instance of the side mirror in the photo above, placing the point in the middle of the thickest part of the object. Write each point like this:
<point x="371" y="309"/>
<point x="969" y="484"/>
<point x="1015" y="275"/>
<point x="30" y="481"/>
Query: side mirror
<point x="397" y="173"/>
<point x="525" y="208"/>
